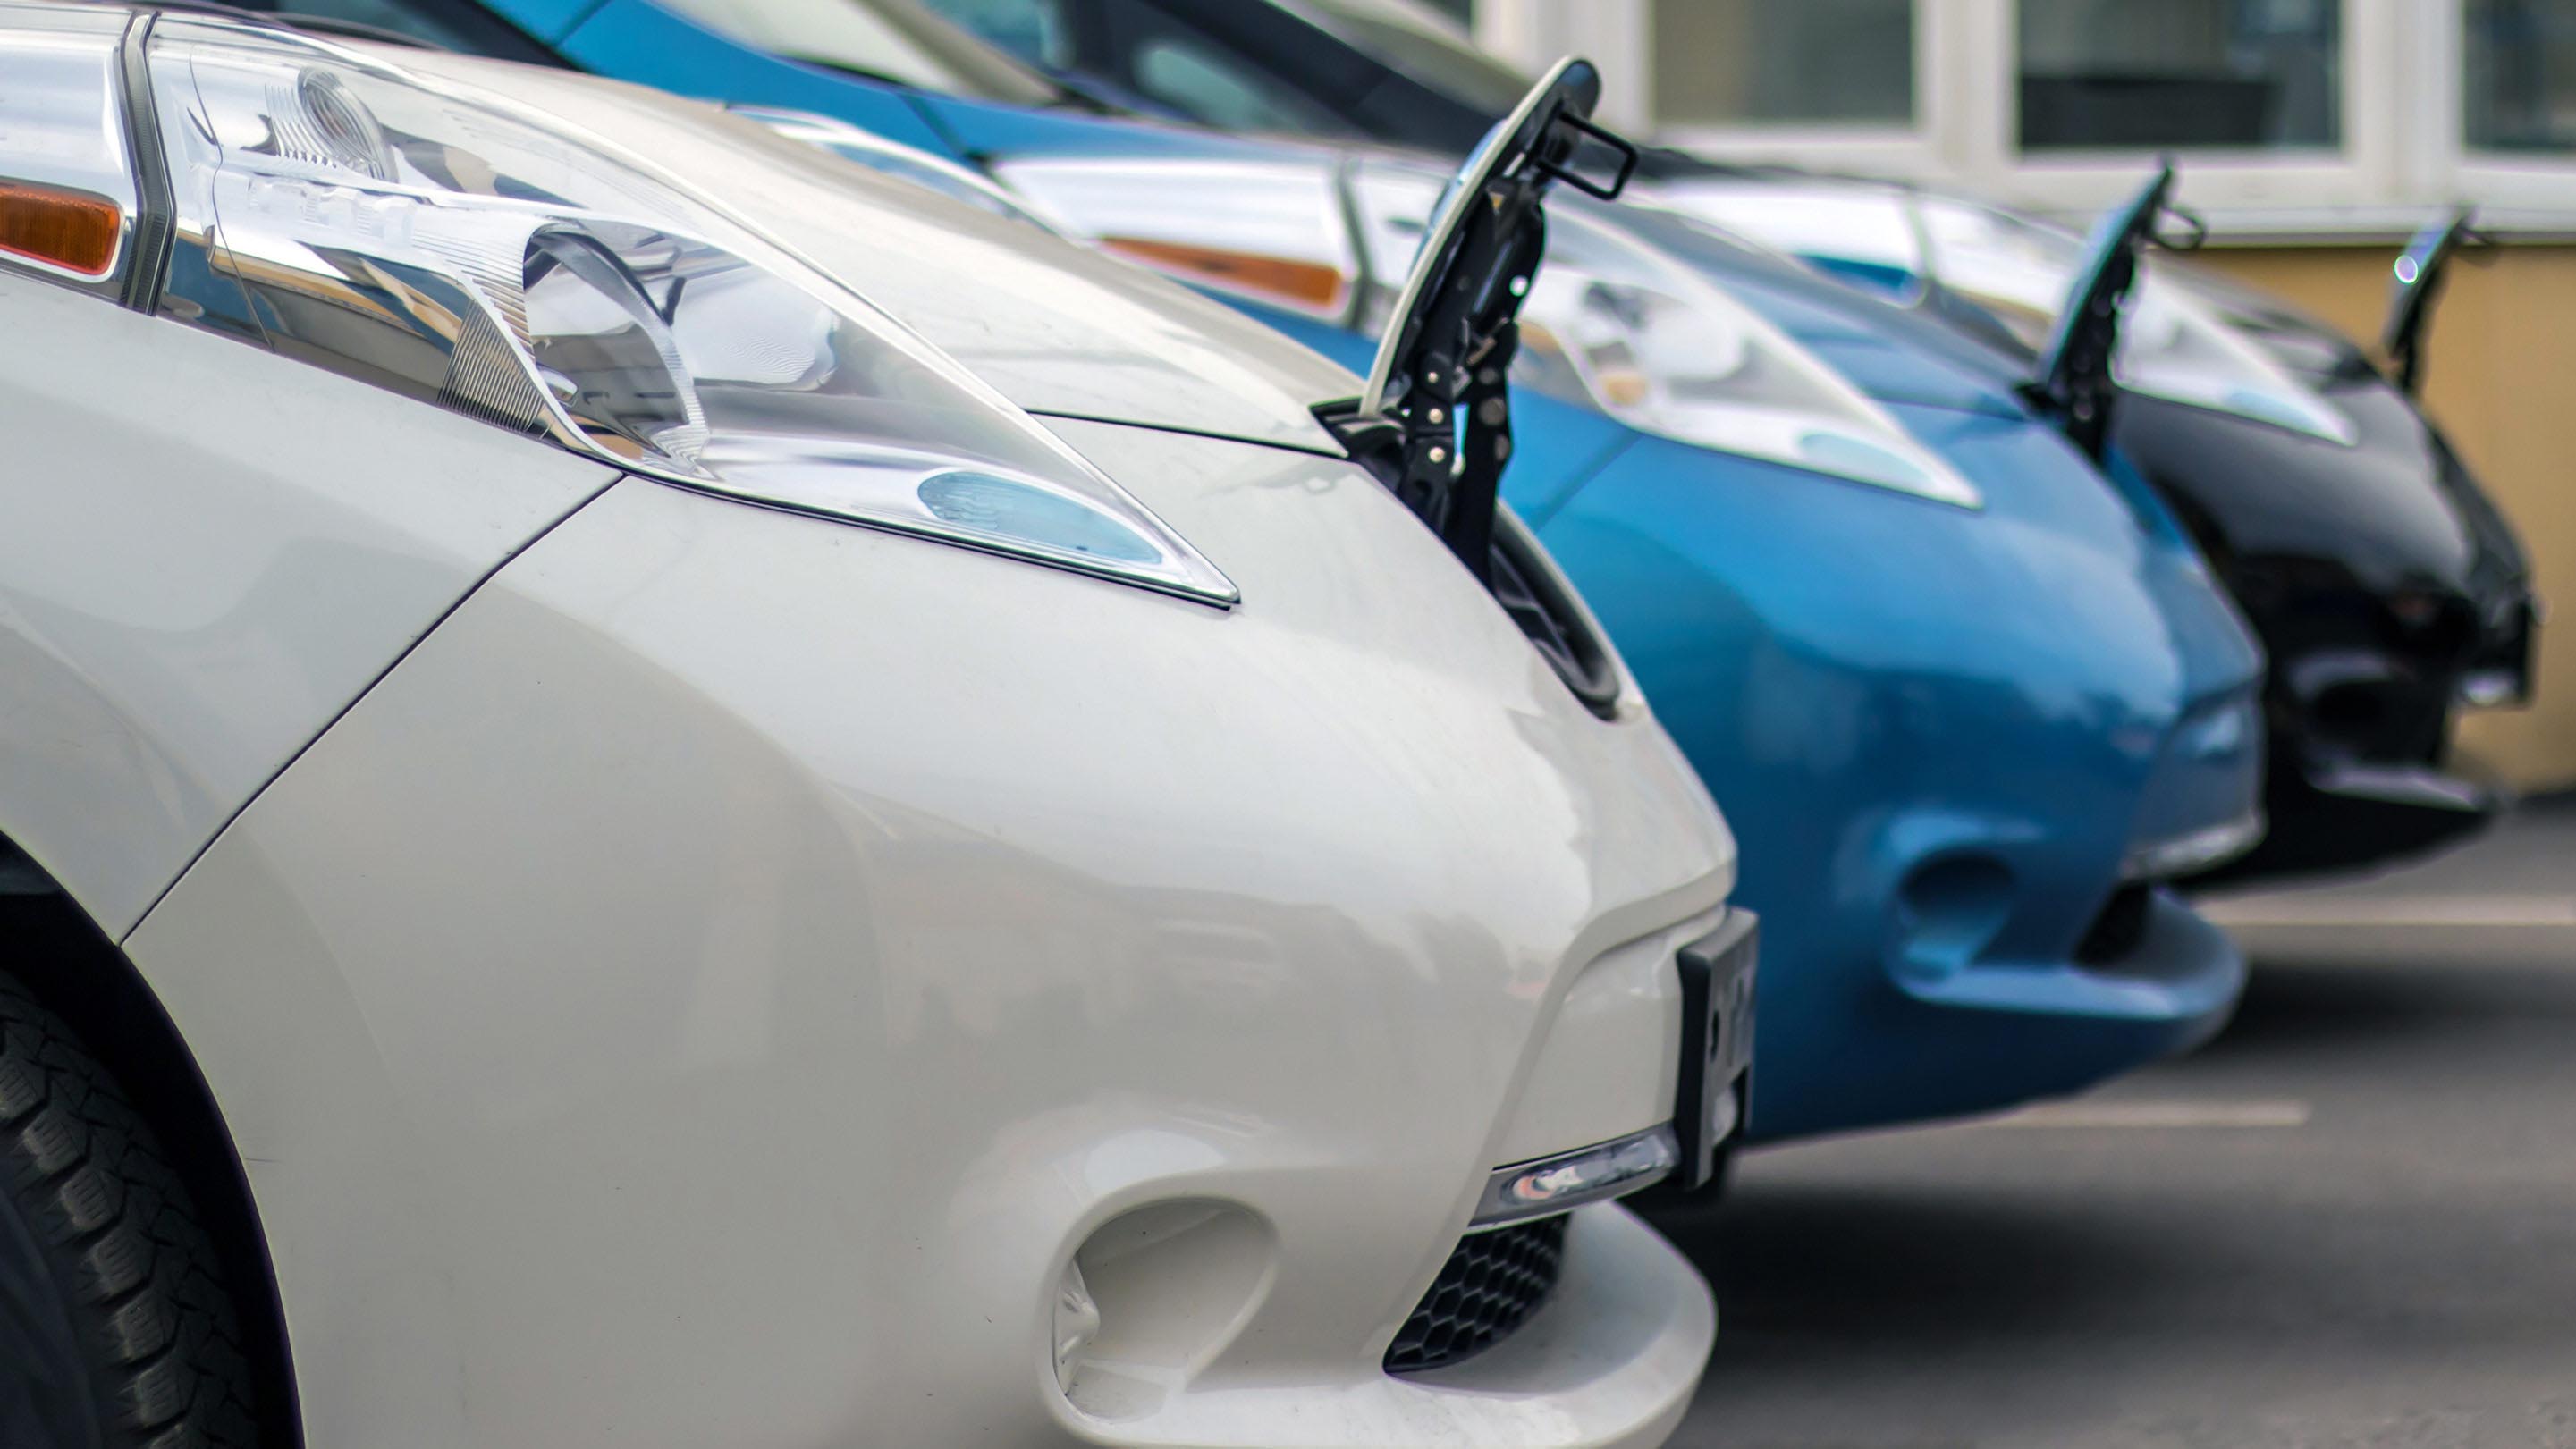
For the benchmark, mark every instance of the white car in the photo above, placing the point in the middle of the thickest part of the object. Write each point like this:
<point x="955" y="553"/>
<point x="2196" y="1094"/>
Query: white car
<point x="661" y="792"/>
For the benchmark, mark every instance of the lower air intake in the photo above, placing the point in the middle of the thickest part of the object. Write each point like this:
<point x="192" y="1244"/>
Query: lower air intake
<point x="1490" y="1285"/>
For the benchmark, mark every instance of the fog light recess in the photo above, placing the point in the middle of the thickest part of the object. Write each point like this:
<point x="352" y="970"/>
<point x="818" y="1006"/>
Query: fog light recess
<point x="1153" y="1295"/>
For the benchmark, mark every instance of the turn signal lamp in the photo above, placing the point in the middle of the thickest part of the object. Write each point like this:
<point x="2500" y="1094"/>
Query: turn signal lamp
<point x="71" y="230"/>
<point x="1307" y="286"/>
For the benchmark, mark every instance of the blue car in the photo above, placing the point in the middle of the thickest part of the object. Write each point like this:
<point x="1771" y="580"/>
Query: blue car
<point x="1963" y="744"/>
<point x="2391" y="592"/>
<point x="1967" y="700"/>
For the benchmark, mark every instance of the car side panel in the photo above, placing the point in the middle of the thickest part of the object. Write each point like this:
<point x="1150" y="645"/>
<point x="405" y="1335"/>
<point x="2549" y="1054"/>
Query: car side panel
<point x="189" y="592"/>
<point x="775" y="945"/>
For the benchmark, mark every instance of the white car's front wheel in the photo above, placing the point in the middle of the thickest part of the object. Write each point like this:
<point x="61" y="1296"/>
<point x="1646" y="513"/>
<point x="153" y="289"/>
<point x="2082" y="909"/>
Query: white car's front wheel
<point x="116" y="1331"/>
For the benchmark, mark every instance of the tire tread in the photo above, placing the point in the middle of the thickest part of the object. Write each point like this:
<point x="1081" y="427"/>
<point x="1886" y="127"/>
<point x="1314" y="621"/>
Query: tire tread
<point x="144" y="1285"/>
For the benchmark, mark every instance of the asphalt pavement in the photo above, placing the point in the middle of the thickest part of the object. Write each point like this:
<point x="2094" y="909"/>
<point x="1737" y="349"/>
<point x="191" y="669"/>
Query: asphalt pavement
<point x="2348" y="1221"/>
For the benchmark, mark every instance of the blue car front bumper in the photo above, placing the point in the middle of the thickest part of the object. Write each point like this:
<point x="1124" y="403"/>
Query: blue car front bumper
<point x="1940" y="736"/>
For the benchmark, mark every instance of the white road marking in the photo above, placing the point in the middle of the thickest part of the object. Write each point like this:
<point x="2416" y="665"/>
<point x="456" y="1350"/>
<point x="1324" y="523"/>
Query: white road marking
<point x="2087" y="1114"/>
<point x="2439" y="911"/>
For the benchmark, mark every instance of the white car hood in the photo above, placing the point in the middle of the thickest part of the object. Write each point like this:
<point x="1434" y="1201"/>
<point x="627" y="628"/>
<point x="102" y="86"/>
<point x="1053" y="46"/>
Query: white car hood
<point x="1056" y="328"/>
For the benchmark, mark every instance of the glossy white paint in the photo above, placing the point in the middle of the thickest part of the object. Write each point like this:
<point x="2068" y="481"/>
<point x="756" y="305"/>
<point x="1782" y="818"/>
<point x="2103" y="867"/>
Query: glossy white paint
<point x="1054" y="327"/>
<point x="59" y="125"/>
<point x="208" y="552"/>
<point x="727" y="976"/>
<point x="780" y="946"/>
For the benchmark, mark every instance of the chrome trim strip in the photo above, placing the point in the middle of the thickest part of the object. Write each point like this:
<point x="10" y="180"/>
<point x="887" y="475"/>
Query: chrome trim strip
<point x="2193" y="851"/>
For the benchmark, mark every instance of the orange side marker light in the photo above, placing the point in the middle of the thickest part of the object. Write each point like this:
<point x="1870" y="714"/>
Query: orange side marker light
<point x="1305" y="284"/>
<point x="74" y="230"/>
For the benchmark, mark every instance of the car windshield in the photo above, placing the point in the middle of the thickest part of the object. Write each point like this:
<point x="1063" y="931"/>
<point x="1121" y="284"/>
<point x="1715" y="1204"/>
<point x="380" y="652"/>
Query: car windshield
<point x="890" y="40"/>
<point x="1420" y="43"/>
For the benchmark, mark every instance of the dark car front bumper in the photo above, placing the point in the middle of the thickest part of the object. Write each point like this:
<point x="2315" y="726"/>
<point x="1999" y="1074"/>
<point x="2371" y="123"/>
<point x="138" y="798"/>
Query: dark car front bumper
<point x="2359" y="769"/>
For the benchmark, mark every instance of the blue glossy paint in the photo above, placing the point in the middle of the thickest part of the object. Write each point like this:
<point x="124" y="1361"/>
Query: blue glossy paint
<point x="1936" y="731"/>
<point x="637" y="40"/>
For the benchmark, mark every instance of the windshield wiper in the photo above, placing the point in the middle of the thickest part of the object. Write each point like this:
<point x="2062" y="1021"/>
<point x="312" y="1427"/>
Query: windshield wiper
<point x="1075" y="91"/>
<point x="843" y="67"/>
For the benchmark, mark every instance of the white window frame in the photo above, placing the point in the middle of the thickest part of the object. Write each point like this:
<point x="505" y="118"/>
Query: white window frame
<point x="2404" y="157"/>
<point x="1871" y="146"/>
<point x="1618" y="36"/>
<point x="2240" y="191"/>
<point x="2512" y="192"/>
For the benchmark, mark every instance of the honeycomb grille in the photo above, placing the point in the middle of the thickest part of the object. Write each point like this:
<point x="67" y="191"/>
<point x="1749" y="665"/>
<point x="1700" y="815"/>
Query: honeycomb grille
<point x="1491" y="1284"/>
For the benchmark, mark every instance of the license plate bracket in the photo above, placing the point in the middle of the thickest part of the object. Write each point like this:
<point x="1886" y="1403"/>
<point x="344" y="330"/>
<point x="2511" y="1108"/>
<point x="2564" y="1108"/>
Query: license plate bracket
<point x="1709" y="1101"/>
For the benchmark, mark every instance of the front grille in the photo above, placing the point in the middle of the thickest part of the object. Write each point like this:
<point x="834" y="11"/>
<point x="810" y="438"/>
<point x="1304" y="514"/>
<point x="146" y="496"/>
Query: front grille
<point x="2121" y="927"/>
<point x="1493" y="1282"/>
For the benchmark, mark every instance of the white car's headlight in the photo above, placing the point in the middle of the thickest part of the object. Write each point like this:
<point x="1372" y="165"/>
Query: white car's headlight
<point x="1618" y="324"/>
<point x="450" y="245"/>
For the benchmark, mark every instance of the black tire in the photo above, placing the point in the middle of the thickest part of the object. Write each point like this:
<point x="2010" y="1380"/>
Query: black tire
<point x="116" y="1330"/>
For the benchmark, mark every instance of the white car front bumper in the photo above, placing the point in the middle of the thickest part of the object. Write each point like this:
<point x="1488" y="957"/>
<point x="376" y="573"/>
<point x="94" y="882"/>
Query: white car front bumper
<point x="709" y="992"/>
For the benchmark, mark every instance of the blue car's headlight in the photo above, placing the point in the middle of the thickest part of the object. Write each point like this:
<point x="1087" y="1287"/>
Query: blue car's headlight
<point x="1615" y="323"/>
<point x="455" y="246"/>
<point x="1654" y="344"/>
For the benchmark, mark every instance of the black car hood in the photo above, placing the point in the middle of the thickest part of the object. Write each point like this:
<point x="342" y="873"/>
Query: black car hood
<point x="2441" y="527"/>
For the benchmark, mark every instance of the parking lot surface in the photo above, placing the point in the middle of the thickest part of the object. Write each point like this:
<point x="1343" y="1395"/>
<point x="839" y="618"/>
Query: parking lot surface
<point x="2350" y="1220"/>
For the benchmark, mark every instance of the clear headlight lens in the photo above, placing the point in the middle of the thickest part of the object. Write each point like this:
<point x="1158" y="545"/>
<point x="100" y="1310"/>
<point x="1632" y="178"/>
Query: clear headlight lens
<point x="445" y="244"/>
<point x="2173" y="345"/>
<point x="1618" y="325"/>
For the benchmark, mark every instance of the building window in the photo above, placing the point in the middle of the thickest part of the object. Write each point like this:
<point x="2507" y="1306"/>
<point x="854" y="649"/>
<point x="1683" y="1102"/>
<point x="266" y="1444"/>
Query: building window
<point x="2518" y="62"/>
<point x="1836" y="62"/>
<point x="2126" y="74"/>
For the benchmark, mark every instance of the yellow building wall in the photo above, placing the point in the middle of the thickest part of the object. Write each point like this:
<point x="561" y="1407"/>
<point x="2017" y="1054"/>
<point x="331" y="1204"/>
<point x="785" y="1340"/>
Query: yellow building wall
<point x="2501" y="381"/>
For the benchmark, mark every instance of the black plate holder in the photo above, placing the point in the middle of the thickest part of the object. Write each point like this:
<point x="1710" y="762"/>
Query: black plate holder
<point x="1717" y="973"/>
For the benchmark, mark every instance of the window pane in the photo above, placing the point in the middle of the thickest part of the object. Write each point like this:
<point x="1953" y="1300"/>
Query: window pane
<point x="2137" y="73"/>
<point x="1762" y="60"/>
<point x="1413" y="40"/>
<point x="447" y="24"/>
<point x="1207" y="84"/>
<point x="2519" y="75"/>
<point x="1033" y="30"/>
<point x="894" y="43"/>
